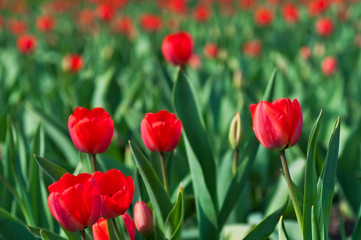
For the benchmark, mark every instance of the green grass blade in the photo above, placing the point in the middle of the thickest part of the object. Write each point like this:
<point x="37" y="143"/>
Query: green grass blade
<point x="52" y="169"/>
<point x="174" y="223"/>
<point x="282" y="233"/>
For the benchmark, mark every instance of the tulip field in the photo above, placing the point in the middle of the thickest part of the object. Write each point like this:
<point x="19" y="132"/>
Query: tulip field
<point x="180" y="119"/>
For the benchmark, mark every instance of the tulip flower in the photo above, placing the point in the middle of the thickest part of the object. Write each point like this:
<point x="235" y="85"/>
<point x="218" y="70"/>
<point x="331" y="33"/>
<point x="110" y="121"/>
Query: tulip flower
<point x="17" y="27"/>
<point x="100" y="228"/>
<point x="143" y="218"/>
<point x="161" y="132"/>
<point x="45" y="23"/>
<point x="26" y="44"/>
<point x="91" y="130"/>
<point x="210" y="50"/>
<point x="202" y="13"/>
<point x="263" y="17"/>
<point x="329" y="66"/>
<point x="177" y="48"/>
<point x="116" y="192"/>
<point x="72" y="63"/>
<point x="277" y="125"/>
<point x="75" y="201"/>
<point x="290" y="13"/>
<point x="252" y="48"/>
<point x="324" y="27"/>
<point x="305" y="52"/>
<point x="150" y="22"/>
<point x="105" y="12"/>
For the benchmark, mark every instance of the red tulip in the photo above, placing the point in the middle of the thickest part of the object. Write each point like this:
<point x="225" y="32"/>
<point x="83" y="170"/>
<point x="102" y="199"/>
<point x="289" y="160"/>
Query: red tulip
<point x="17" y="27"/>
<point x="26" y="44"/>
<point x="202" y="13"/>
<point x="305" y="52"/>
<point x="329" y="66"/>
<point x="143" y="218"/>
<point x="125" y="26"/>
<point x="195" y="61"/>
<point x="100" y="228"/>
<point x="324" y="26"/>
<point x="151" y="22"/>
<point x="116" y="192"/>
<point x="177" y="48"/>
<point x="263" y="17"/>
<point x="161" y="131"/>
<point x="316" y="7"/>
<point x="210" y="50"/>
<point x="105" y="12"/>
<point x="75" y="201"/>
<point x="91" y="130"/>
<point x="290" y="13"/>
<point x="72" y="63"/>
<point x="45" y="23"/>
<point x="246" y="4"/>
<point x="277" y="125"/>
<point x="252" y="48"/>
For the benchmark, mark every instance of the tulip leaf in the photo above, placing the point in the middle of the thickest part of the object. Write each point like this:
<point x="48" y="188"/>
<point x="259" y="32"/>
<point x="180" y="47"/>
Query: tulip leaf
<point x="158" y="197"/>
<point x="262" y="230"/>
<point x="188" y="112"/>
<point x="174" y="223"/>
<point x="282" y="233"/>
<point x="244" y="170"/>
<point x="111" y="230"/>
<point x="327" y="180"/>
<point x="357" y="230"/>
<point x="310" y="194"/>
<point x="206" y="211"/>
<point x="52" y="169"/>
<point x="315" y="227"/>
<point x="13" y="228"/>
<point x="36" y="232"/>
<point x="120" y="224"/>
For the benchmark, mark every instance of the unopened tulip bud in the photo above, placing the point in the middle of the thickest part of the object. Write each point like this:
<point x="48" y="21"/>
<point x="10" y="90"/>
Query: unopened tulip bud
<point x="143" y="218"/>
<point x="235" y="132"/>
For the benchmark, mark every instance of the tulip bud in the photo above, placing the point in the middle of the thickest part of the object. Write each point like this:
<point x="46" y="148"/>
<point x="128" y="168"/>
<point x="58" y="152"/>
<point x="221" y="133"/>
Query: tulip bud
<point x="143" y="218"/>
<point x="235" y="132"/>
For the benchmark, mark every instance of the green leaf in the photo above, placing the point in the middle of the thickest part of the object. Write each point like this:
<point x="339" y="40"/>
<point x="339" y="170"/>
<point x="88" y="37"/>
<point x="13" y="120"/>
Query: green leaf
<point x="314" y="225"/>
<point x="174" y="223"/>
<point x="357" y="230"/>
<point x="13" y="228"/>
<point x="111" y="230"/>
<point x="267" y="226"/>
<point x="188" y="112"/>
<point x="44" y="236"/>
<point x="36" y="232"/>
<point x="158" y="197"/>
<point x="52" y="169"/>
<point x="310" y="195"/>
<point x="282" y="233"/>
<point x="102" y="84"/>
<point x="206" y="211"/>
<point x="327" y="179"/>
<point x="244" y="170"/>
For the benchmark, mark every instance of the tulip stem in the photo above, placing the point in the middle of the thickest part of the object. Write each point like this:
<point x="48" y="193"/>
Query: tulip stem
<point x="83" y="236"/>
<point x="165" y="179"/>
<point x="235" y="162"/>
<point x="94" y="162"/>
<point x="296" y="206"/>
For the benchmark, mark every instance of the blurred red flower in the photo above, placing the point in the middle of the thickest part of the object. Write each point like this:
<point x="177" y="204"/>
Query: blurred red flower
<point x="177" y="48"/>
<point x="290" y="12"/>
<point x="72" y="63"/>
<point x="195" y="61"/>
<point x="316" y="7"/>
<point x="105" y="12"/>
<point x="151" y="22"/>
<point x="329" y="66"/>
<point x="246" y="4"/>
<point x="26" y="44"/>
<point x="202" y="13"/>
<point x="305" y="52"/>
<point x="324" y="26"/>
<point x="210" y="50"/>
<point x="252" y="48"/>
<point x="125" y="26"/>
<point x="17" y="27"/>
<point x="45" y="23"/>
<point x="100" y="228"/>
<point x="263" y="16"/>
<point x="86" y="19"/>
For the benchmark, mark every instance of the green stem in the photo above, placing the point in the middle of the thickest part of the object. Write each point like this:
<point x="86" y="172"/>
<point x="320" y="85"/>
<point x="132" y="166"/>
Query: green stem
<point x="165" y="179"/>
<point x="83" y="236"/>
<point x="94" y="162"/>
<point x="115" y="226"/>
<point x="235" y="162"/>
<point x="296" y="206"/>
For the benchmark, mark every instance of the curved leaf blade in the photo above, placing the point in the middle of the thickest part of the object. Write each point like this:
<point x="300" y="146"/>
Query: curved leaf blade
<point x="52" y="169"/>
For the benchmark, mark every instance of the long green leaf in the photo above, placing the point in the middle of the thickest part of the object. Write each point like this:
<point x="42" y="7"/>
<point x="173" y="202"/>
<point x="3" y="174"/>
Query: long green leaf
<point x="188" y="112"/>
<point x="52" y="169"/>
<point x="357" y="230"/>
<point x="327" y="179"/>
<point x="310" y="195"/>
<point x="314" y="224"/>
<point x="267" y="226"/>
<point x="158" y="197"/>
<point x="36" y="232"/>
<point x="282" y="233"/>
<point x="244" y="169"/>
<point x="111" y="230"/>
<point x="174" y="223"/>
<point x="13" y="228"/>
